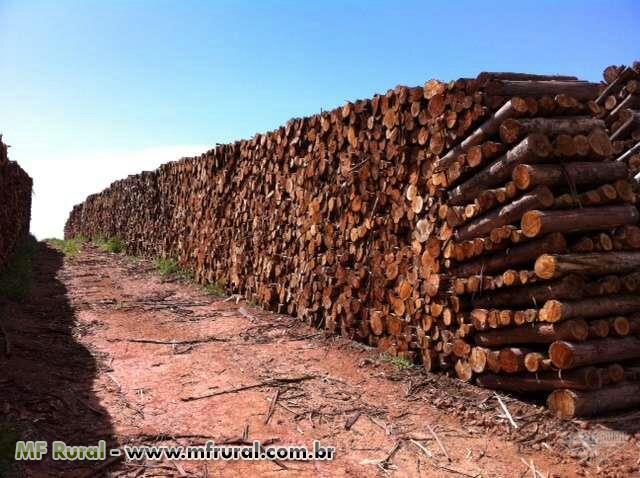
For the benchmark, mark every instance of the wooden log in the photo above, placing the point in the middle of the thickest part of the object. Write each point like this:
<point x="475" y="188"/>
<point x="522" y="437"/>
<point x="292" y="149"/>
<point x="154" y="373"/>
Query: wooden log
<point x="536" y="362"/>
<point x="520" y="255"/>
<point x="555" y="310"/>
<point x="549" y="266"/>
<point x="566" y="355"/>
<point x="486" y="76"/>
<point x="587" y="378"/>
<point x="615" y="83"/>
<point x="526" y="176"/>
<point x="570" y="287"/>
<point x="513" y="107"/>
<point x="539" y="198"/>
<point x="580" y="90"/>
<point x="478" y="359"/>
<point x="511" y="359"/>
<point x="624" y="158"/>
<point x="565" y="403"/>
<point x="535" y="148"/>
<point x="598" y="329"/>
<point x="538" y="333"/>
<point x="512" y="129"/>
<point x="535" y="223"/>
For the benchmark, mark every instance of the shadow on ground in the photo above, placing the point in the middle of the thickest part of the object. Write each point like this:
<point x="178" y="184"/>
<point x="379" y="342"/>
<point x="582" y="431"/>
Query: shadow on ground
<point x="46" y="377"/>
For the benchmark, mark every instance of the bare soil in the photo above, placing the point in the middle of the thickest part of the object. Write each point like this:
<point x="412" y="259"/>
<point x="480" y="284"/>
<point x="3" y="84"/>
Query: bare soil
<point x="108" y="349"/>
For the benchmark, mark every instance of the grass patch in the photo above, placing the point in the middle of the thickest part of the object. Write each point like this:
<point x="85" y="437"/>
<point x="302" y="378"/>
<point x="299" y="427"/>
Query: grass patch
<point x="69" y="247"/>
<point x="113" y="244"/>
<point x="215" y="288"/>
<point x="17" y="277"/>
<point x="400" y="363"/>
<point x="166" y="267"/>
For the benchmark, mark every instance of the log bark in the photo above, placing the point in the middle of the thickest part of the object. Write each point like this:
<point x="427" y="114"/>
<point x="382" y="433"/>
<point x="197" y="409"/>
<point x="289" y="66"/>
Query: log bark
<point x="538" y="333"/>
<point x="539" y="198"/>
<point x="549" y="266"/>
<point x="526" y="176"/>
<point x="535" y="223"/>
<point x="535" y="148"/>
<point x="512" y="129"/>
<point x="580" y="90"/>
<point x="566" y="355"/>
<point x="570" y="287"/>
<point x="520" y="255"/>
<point x="555" y="310"/>
<point x="513" y="107"/>
<point x="587" y="378"/>
<point x="568" y="404"/>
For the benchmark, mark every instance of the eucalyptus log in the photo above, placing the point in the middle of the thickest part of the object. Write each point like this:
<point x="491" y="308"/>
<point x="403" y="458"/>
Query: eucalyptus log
<point x="527" y="176"/>
<point x="535" y="223"/>
<point x="535" y="148"/>
<point x="549" y="266"/>
<point x="566" y="355"/>
<point x="556" y="310"/>
<point x="569" y="287"/>
<point x="536" y="333"/>
<point x="539" y="198"/>
<point x="517" y="256"/>
<point x="567" y="403"/>
<point x="587" y="378"/>
<point x="511" y="130"/>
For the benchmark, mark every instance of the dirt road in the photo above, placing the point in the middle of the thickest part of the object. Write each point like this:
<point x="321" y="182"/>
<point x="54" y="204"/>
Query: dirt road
<point x="108" y="349"/>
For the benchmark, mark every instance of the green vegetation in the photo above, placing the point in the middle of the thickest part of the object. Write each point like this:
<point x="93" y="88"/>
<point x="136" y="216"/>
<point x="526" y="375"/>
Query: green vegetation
<point x="17" y="277"/>
<point x="69" y="247"/>
<point x="215" y="288"/>
<point x="113" y="244"/>
<point x="401" y="363"/>
<point x="166" y="267"/>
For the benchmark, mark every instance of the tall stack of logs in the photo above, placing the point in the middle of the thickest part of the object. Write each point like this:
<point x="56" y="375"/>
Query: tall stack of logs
<point x="480" y="226"/>
<point x="620" y="108"/>
<point x="15" y="201"/>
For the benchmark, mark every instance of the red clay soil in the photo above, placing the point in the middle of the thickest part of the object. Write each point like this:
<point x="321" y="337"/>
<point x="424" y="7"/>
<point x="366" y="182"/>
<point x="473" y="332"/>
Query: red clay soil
<point x="108" y="349"/>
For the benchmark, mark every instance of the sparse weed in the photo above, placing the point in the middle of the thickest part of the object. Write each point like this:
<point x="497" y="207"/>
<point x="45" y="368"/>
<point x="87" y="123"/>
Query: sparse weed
<point x="166" y="267"/>
<point x="113" y="244"/>
<point x="401" y="363"/>
<point x="69" y="247"/>
<point x="215" y="288"/>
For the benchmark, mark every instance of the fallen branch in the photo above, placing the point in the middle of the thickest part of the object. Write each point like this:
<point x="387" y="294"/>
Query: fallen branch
<point x="171" y="342"/>
<point x="444" y="450"/>
<point x="267" y="383"/>
<point x="506" y="411"/>
<point x="272" y="406"/>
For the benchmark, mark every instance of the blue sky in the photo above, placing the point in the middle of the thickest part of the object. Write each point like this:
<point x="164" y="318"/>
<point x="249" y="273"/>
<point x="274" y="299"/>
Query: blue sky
<point x="133" y="84"/>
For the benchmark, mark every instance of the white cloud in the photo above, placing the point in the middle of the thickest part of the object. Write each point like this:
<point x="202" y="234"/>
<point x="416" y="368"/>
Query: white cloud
<point x="62" y="182"/>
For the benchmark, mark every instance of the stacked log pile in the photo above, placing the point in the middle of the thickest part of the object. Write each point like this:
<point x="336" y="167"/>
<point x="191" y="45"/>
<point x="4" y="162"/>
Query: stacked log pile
<point x="620" y="108"/>
<point x="542" y="256"/>
<point x="15" y="198"/>
<point x="467" y="225"/>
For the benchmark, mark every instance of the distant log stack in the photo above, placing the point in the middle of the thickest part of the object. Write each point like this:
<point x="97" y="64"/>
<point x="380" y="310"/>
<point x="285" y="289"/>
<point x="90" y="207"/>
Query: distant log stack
<point x="15" y="201"/>
<point x="482" y="227"/>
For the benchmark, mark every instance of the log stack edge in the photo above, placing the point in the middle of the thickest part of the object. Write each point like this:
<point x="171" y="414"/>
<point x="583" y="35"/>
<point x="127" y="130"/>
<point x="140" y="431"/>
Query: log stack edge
<point x="15" y="198"/>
